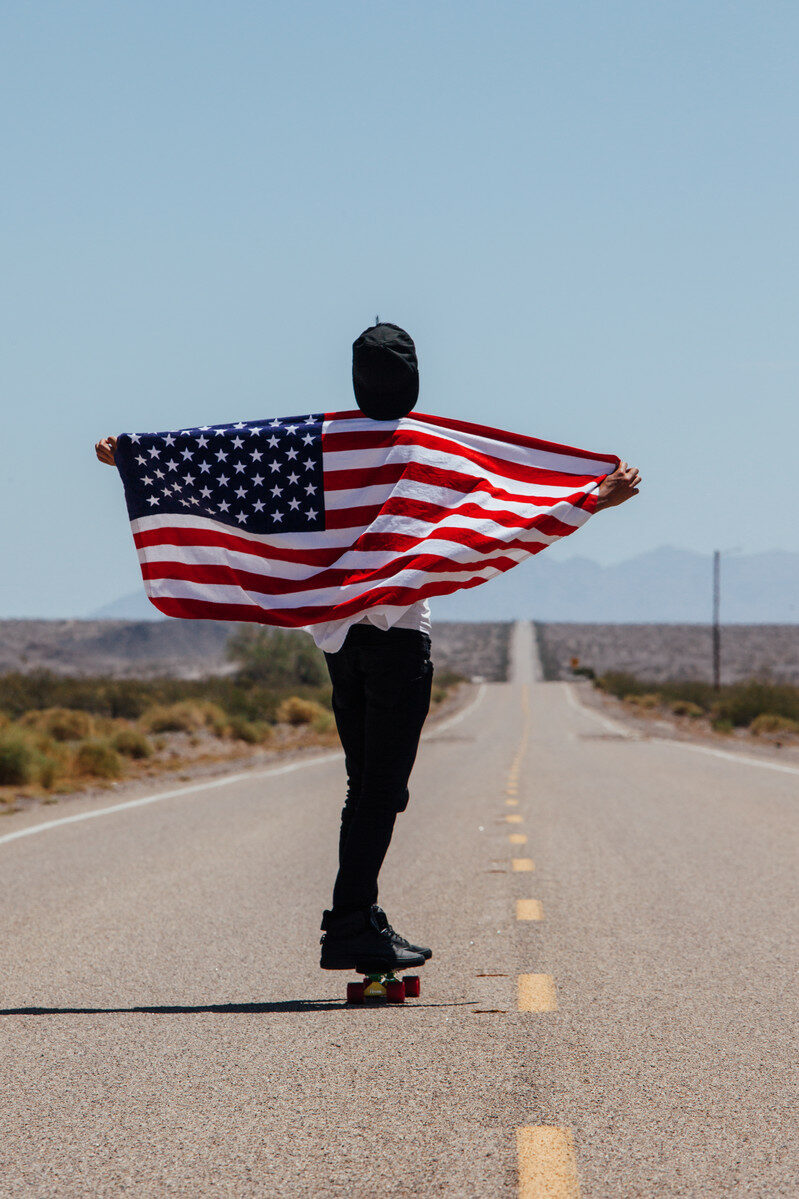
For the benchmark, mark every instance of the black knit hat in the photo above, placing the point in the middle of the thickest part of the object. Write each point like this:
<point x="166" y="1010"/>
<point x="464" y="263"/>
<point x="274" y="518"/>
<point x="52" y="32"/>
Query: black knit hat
<point x="385" y="373"/>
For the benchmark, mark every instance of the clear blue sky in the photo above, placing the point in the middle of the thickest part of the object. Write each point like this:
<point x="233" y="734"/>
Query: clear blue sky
<point x="584" y="213"/>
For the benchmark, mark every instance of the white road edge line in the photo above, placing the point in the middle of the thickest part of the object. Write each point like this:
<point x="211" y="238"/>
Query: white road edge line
<point x="609" y="724"/>
<point x="431" y="734"/>
<point x="240" y="777"/>
<point x="730" y="757"/>
<point x="726" y="754"/>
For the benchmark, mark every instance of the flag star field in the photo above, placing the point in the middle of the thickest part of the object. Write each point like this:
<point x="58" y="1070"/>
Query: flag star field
<point x="260" y="477"/>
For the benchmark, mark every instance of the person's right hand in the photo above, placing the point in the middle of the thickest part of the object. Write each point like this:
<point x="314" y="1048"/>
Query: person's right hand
<point x="618" y="487"/>
<point x="106" y="449"/>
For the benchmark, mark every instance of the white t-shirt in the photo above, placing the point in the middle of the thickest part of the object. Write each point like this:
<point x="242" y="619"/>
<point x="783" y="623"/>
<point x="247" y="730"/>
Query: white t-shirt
<point x="329" y="636"/>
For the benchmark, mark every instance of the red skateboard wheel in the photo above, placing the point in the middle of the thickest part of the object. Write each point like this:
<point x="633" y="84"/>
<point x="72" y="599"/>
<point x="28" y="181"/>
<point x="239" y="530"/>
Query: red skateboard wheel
<point x="354" y="992"/>
<point x="413" y="986"/>
<point x="395" y="991"/>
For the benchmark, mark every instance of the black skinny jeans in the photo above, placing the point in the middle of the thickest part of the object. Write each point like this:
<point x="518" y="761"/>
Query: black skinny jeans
<point x="381" y="695"/>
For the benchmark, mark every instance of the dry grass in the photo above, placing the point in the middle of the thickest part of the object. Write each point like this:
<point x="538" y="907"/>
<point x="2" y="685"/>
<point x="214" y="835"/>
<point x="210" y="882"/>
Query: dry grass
<point x="62" y="724"/>
<point x="55" y="750"/>
<point x="764" y="709"/>
<point x="299" y="711"/>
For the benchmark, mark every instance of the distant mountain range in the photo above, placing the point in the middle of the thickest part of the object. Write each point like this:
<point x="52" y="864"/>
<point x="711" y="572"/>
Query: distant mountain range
<point x="663" y="586"/>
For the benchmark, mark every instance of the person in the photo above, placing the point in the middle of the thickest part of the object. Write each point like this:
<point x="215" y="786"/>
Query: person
<point x="381" y="671"/>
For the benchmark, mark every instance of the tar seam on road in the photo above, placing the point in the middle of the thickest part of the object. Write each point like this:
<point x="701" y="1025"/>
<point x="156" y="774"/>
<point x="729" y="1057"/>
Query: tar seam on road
<point x="241" y="776"/>
<point x="699" y="749"/>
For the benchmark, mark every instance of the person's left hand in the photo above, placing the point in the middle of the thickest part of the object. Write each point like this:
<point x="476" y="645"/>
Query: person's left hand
<point x="618" y="487"/>
<point x="106" y="449"/>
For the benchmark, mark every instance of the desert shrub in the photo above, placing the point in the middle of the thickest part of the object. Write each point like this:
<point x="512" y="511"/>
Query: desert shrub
<point x="214" y="718"/>
<point x="448" y="678"/>
<point x="647" y="701"/>
<point x="744" y="702"/>
<point x="48" y="770"/>
<point x="62" y="724"/>
<point x="109" y="697"/>
<point x="276" y="656"/>
<point x="251" y="701"/>
<point x="622" y="685"/>
<point x="18" y="758"/>
<point x="254" y="732"/>
<point x="324" y="723"/>
<point x="129" y="699"/>
<point x="684" y="707"/>
<point x="185" y="716"/>
<point x="770" y="723"/>
<point x="585" y="672"/>
<point x="182" y="717"/>
<point x="722" y="725"/>
<point x="99" y="759"/>
<point x="242" y="729"/>
<point x="295" y="710"/>
<point x="132" y="743"/>
<point x="735" y="704"/>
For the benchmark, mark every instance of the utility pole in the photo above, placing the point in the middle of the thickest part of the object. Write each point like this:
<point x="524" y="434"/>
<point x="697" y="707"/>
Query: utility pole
<point x="716" y="626"/>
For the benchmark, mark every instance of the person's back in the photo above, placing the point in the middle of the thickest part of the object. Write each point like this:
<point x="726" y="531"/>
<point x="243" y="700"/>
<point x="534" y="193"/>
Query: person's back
<point x="379" y="665"/>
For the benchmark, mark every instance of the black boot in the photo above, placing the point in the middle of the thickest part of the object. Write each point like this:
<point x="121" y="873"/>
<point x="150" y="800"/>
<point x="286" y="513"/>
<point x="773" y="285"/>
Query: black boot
<point x="355" y="941"/>
<point x="381" y="919"/>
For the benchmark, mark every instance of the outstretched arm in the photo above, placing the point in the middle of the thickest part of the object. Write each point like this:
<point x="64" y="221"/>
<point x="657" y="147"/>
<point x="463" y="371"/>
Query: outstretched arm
<point x="618" y="487"/>
<point x="106" y="449"/>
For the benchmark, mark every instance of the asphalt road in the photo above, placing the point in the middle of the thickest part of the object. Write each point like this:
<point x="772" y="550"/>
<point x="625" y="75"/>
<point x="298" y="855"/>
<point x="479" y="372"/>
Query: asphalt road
<point x="610" y="998"/>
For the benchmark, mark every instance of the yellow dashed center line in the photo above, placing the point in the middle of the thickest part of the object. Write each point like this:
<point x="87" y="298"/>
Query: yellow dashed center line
<point x="547" y="1166"/>
<point x="537" y="993"/>
<point x="529" y="909"/>
<point x="516" y="764"/>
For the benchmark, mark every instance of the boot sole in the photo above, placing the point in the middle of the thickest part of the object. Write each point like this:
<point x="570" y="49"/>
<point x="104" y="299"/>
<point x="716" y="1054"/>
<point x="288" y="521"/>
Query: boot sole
<point x="370" y="965"/>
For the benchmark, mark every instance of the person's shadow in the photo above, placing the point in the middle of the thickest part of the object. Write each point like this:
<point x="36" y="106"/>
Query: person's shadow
<point x="181" y="1009"/>
<point x="225" y="1009"/>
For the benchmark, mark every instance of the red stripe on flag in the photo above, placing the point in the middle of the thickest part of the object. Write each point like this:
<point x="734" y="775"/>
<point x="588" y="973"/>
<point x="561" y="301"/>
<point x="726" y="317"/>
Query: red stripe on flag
<point x="399" y="505"/>
<point x="356" y="441"/>
<point x="457" y="480"/>
<point x="498" y="435"/>
<point x="219" y="574"/>
<point x="292" y="618"/>
<point x="184" y="535"/>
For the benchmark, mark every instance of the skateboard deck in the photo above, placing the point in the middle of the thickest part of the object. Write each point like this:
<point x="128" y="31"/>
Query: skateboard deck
<point x="384" y="987"/>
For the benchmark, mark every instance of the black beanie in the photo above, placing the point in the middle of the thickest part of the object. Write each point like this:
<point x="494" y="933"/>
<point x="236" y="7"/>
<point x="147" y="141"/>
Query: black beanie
<point x="385" y="373"/>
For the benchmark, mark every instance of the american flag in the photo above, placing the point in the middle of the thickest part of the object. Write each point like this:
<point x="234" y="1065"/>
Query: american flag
<point x="294" y="521"/>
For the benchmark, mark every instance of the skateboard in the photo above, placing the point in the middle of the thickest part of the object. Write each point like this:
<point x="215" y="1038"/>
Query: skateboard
<point x="384" y="987"/>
